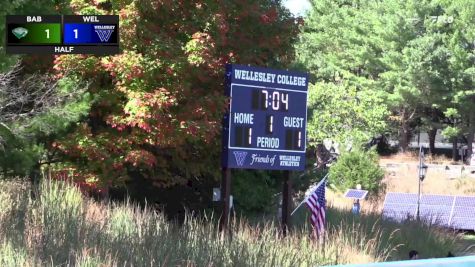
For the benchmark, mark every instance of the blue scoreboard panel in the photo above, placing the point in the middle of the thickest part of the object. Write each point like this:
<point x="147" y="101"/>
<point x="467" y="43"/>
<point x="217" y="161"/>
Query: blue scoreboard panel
<point x="68" y="34"/>
<point x="266" y="124"/>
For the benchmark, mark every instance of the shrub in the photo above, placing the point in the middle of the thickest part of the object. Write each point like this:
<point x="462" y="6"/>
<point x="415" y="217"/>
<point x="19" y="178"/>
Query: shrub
<point x="253" y="190"/>
<point x="357" y="167"/>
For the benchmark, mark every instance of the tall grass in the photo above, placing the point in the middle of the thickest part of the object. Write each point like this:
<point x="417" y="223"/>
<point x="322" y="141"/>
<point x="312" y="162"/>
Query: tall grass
<point x="12" y="256"/>
<point x="61" y="227"/>
<point x="430" y="241"/>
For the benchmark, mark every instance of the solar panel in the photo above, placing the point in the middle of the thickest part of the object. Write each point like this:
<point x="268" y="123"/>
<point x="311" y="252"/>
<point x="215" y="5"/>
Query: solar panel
<point x="435" y="210"/>
<point x="399" y="212"/>
<point x="411" y="209"/>
<point x="399" y="217"/>
<point x="464" y="212"/>
<point x="440" y="220"/>
<point x="401" y="198"/>
<point x="435" y="214"/>
<point x="456" y="212"/>
<point x="465" y="201"/>
<point x="355" y="193"/>
<point x="463" y="223"/>
<point x="437" y="200"/>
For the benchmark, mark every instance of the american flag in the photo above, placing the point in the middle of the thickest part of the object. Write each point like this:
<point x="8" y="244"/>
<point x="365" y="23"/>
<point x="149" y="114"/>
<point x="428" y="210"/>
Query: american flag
<point x="316" y="203"/>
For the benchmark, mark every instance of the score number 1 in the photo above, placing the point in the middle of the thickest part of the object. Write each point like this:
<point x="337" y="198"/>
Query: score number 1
<point x="75" y="33"/>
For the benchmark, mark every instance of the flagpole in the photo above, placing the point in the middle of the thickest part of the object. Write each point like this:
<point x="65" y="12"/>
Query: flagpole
<point x="305" y="199"/>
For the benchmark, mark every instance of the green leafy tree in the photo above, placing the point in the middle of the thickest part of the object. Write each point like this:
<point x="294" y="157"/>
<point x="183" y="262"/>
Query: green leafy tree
<point x="34" y="108"/>
<point x="415" y="55"/>
<point x="340" y="49"/>
<point x="461" y="44"/>
<point x="357" y="167"/>
<point x="344" y="114"/>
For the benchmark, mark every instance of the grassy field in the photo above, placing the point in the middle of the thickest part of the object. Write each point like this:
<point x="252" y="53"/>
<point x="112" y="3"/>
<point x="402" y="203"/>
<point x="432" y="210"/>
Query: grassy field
<point x="413" y="156"/>
<point x="61" y="227"/>
<point x="443" y="179"/>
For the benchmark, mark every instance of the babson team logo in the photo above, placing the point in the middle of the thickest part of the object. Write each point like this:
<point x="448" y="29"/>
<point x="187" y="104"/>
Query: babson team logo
<point x="104" y="32"/>
<point x="240" y="157"/>
<point x="20" y="32"/>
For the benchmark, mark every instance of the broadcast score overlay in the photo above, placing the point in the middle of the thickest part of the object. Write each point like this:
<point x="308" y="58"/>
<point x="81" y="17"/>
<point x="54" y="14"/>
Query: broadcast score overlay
<point x="62" y="34"/>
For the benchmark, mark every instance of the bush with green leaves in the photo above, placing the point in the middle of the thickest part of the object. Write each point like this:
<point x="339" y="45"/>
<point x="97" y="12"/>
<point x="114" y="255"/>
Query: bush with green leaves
<point x="357" y="167"/>
<point x="253" y="191"/>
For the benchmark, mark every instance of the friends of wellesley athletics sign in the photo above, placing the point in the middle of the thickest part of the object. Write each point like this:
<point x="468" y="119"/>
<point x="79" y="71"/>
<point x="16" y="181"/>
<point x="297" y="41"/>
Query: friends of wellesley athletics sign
<point x="266" y="124"/>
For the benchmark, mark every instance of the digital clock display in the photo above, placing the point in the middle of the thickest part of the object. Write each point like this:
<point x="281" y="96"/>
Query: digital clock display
<point x="268" y="98"/>
<point x="266" y="124"/>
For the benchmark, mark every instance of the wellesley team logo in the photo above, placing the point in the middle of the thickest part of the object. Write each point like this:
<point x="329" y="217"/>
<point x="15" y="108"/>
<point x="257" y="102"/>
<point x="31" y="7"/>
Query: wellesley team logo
<point x="240" y="157"/>
<point x="104" y="32"/>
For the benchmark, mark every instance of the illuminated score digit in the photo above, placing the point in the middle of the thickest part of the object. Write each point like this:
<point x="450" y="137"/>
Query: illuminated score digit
<point x="265" y="97"/>
<point x="269" y="124"/>
<point x="47" y="33"/>
<point x="293" y="139"/>
<point x="285" y="100"/>
<point x="275" y="100"/>
<point x="249" y="136"/>
<point x="243" y="136"/>
<point x="299" y="143"/>
<point x="75" y="33"/>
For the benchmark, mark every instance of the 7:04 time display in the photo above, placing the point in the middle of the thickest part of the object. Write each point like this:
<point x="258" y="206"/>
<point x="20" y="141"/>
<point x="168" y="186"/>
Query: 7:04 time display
<point x="270" y="99"/>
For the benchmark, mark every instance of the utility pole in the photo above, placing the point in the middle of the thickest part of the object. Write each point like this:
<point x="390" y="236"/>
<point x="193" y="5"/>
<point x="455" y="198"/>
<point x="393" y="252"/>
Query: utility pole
<point x="421" y="176"/>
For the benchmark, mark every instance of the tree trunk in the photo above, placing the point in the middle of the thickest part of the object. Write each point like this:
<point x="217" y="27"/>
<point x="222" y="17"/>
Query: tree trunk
<point x="471" y="133"/>
<point x="35" y="176"/>
<point x="404" y="136"/>
<point x="454" y="149"/>
<point x="105" y="193"/>
<point x="432" y="133"/>
<point x="469" y="147"/>
<point x="419" y="138"/>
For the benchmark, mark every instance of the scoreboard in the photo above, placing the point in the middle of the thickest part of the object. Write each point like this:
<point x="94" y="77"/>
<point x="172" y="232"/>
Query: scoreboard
<point x="266" y="124"/>
<point x="62" y="34"/>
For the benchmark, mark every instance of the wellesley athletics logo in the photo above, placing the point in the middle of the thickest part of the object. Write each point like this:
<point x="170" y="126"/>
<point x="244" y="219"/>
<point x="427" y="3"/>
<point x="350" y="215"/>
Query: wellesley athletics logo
<point x="104" y="32"/>
<point x="240" y="157"/>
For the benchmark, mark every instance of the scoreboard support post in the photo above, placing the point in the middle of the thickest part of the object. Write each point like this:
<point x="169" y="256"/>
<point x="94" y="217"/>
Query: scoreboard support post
<point x="286" y="203"/>
<point x="225" y="193"/>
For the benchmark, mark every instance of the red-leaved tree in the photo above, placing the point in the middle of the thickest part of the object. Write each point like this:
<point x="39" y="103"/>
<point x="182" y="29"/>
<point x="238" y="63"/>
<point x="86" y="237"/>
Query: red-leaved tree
<point x="159" y="104"/>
